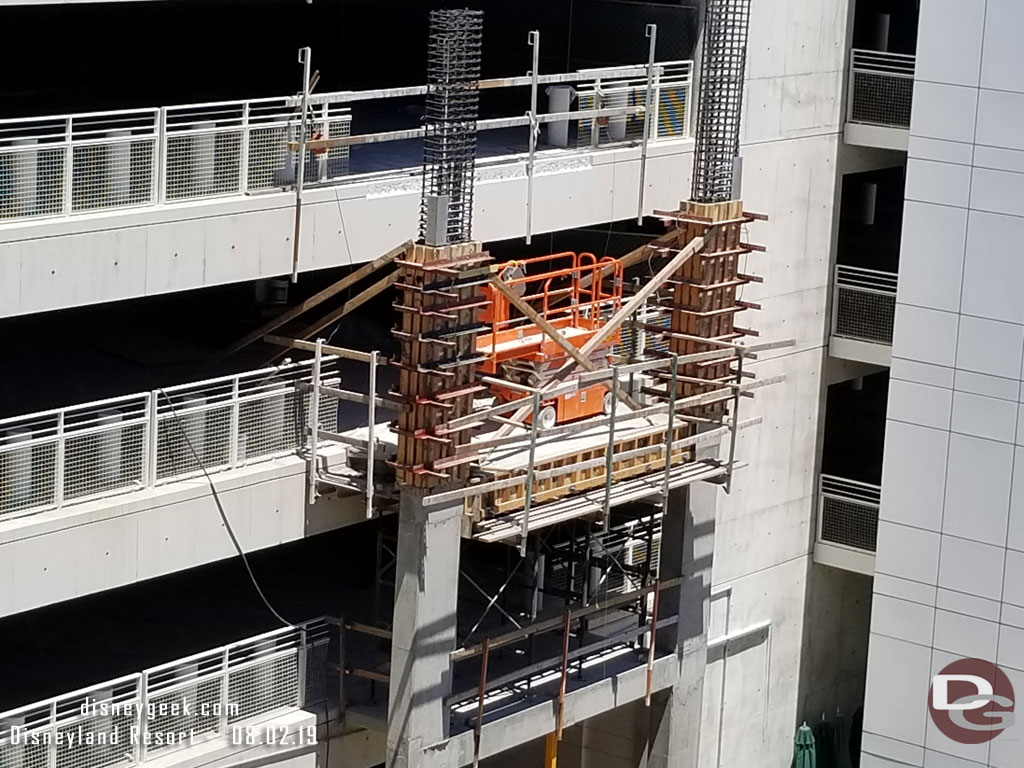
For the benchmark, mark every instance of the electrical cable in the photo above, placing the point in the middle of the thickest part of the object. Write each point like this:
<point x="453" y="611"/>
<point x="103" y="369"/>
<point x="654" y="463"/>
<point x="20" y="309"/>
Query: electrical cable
<point x="223" y="514"/>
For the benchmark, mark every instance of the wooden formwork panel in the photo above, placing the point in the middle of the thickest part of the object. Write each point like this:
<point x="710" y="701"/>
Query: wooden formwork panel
<point x="436" y="361"/>
<point x="548" y="489"/>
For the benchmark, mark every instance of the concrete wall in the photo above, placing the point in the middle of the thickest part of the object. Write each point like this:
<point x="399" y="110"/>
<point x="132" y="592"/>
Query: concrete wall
<point x="113" y="542"/>
<point x="54" y="264"/>
<point x="950" y="564"/>
<point x="791" y="142"/>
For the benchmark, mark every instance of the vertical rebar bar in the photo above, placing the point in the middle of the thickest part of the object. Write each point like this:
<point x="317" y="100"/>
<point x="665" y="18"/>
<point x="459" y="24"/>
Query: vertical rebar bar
<point x="528" y="490"/>
<point x="305" y="58"/>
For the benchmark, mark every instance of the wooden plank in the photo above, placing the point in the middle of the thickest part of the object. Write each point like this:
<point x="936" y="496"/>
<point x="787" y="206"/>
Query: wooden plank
<point x="315" y="300"/>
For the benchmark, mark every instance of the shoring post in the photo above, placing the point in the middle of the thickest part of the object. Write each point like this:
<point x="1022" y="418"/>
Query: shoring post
<point x="341" y="669"/>
<point x="650" y="641"/>
<point x="735" y="418"/>
<point x="550" y="751"/>
<point x="305" y="57"/>
<point x="652" y="35"/>
<point x="669" y="432"/>
<point x="565" y="674"/>
<point x="609" y="464"/>
<point x="480" y="703"/>
<point x="243" y="164"/>
<point x="528" y="490"/>
<point x="58" y="472"/>
<point x="371" y="439"/>
<point x="314" y="419"/>
<point x="533" y="39"/>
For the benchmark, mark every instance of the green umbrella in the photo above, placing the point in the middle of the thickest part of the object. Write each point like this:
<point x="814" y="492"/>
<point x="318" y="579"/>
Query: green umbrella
<point x="803" y="748"/>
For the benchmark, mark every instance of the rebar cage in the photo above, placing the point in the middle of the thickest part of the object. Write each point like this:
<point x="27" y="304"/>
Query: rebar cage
<point x="452" y="107"/>
<point x="726" y="26"/>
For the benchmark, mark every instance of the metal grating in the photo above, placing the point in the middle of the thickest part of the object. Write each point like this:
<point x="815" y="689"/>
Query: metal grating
<point x="452" y="106"/>
<point x="881" y="99"/>
<point x="726" y="26"/>
<point x="864" y="315"/>
<point x="849" y="523"/>
<point x="264" y="685"/>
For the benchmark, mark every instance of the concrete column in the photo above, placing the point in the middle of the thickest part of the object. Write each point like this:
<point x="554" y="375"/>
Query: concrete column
<point x="18" y="478"/>
<point x="25" y="177"/>
<point x="204" y="155"/>
<point x="559" y="100"/>
<point x="687" y="550"/>
<point x="108" y="449"/>
<point x="426" y="595"/>
<point x="119" y="169"/>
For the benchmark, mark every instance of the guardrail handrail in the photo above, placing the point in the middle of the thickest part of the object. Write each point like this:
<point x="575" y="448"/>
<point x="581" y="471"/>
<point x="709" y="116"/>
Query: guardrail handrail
<point x="861" y="278"/>
<point x="884" y="62"/>
<point x="75" y="163"/>
<point x="277" y="685"/>
<point x="853" y="490"/>
<point x="63" y="456"/>
<point x="848" y="513"/>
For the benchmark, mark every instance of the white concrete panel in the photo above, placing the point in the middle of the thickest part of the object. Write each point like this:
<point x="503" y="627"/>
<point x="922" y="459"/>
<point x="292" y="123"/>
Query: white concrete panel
<point x="904" y="589"/>
<point x="993" y="279"/>
<point x="1005" y="750"/>
<point x="985" y="417"/>
<point x="906" y="552"/>
<point x="949" y="41"/>
<point x="971" y="567"/>
<point x="1015" y="534"/>
<point x="913" y="472"/>
<point x="956" y="152"/>
<point x="1011" y="648"/>
<point x="1013" y="581"/>
<point x="174" y="257"/>
<point x="870" y="760"/>
<point x="921" y="373"/>
<point x="902" y="620"/>
<point x="274" y="229"/>
<point x="997" y="191"/>
<point x="925" y="335"/>
<point x="1012" y="615"/>
<point x="919" y="404"/>
<point x="941" y="183"/>
<point x="898" y="674"/>
<point x="990" y="347"/>
<point x="969" y="605"/>
<point x="932" y="256"/>
<point x="887" y="749"/>
<point x="10" y="280"/>
<point x="1000" y="113"/>
<point x="999" y="159"/>
<point x="232" y="250"/>
<point x="978" y="488"/>
<point x="943" y="112"/>
<point x="1002" y="63"/>
<point x="965" y="635"/>
<point x="988" y="386"/>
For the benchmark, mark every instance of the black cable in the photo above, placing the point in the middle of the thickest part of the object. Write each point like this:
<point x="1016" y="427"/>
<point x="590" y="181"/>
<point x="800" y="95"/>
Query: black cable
<point x="223" y="514"/>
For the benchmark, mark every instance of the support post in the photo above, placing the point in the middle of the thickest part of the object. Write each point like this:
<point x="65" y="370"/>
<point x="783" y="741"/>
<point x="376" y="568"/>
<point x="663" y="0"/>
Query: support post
<point x="426" y="596"/>
<point x="371" y="438"/>
<point x="305" y="56"/>
<point x="652" y="35"/>
<point x="534" y="42"/>
<point x="314" y="419"/>
<point x="528" y="490"/>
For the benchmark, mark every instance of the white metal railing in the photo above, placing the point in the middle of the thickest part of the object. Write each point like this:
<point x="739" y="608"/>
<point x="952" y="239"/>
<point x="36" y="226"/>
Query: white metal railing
<point x="670" y="105"/>
<point x="848" y="512"/>
<point x="74" y="164"/>
<point x="881" y="88"/>
<point x="69" y="455"/>
<point x="143" y="716"/>
<point x="864" y="304"/>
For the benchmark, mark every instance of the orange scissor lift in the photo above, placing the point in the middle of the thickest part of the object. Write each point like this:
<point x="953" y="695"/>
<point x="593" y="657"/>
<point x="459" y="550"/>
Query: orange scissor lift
<point x="570" y="294"/>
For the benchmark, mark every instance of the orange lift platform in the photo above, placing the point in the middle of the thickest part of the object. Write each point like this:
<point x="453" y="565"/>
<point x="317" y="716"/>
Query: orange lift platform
<point x="568" y="291"/>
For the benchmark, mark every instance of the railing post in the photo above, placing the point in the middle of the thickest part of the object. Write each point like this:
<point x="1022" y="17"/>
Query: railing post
<point x="609" y="459"/>
<point x="371" y="439"/>
<point x="243" y="159"/>
<point x="595" y="126"/>
<point x="58" y="472"/>
<point x="152" y="434"/>
<point x="161" y="171"/>
<point x="528" y="489"/>
<point x="233" y="428"/>
<point x="225" y="689"/>
<point x="835" y="300"/>
<point x="301" y="671"/>
<point x="140" y="747"/>
<point x="69" y="166"/>
<point x="51" y="748"/>
<point x="314" y="420"/>
<point x="851" y="85"/>
<point x="821" y="511"/>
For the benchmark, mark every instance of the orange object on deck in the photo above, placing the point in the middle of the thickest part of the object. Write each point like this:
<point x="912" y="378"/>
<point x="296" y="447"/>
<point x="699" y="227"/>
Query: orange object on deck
<point x="516" y="349"/>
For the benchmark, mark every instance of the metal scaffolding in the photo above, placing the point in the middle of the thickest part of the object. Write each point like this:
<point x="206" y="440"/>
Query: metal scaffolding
<point x="449" y="143"/>
<point x="726" y="25"/>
